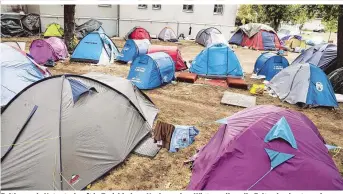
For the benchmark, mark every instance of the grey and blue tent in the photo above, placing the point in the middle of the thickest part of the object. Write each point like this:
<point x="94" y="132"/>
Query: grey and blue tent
<point x="322" y="56"/>
<point x="205" y="36"/>
<point x="66" y="131"/>
<point x="303" y="84"/>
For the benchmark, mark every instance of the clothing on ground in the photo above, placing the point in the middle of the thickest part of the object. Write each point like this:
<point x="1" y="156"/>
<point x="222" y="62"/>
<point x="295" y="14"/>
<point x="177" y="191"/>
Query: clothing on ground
<point x="163" y="132"/>
<point x="183" y="136"/>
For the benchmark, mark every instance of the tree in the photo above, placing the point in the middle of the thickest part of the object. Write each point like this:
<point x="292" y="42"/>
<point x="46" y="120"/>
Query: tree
<point x="69" y="26"/>
<point x="331" y="26"/>
<point x="299" y="15"/>
<point x="274" y="14"/>
<point x="247" y="14"/>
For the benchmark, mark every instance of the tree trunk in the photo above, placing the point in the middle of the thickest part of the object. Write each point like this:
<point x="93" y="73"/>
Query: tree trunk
<point x="69" y="26"/>
<point x="340" y="38"/>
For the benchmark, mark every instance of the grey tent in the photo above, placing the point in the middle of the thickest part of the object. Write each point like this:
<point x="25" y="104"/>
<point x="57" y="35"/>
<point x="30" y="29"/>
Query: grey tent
<point x="18" y="45"/>
<point x="167" y="34"/>
<point x="87" y="27"/>
<point x="65" y="131"/>
<point x="204" y="36"/>
<point x="322" y="55"/>
<point x="336" y="79"/>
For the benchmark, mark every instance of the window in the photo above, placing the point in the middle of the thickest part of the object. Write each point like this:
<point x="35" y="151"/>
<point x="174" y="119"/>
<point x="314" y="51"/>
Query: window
<point x="187" y="8"/>
<point x="156" y="6"/>
<point x="142" y="6"/>
<point x="218" y="9"/>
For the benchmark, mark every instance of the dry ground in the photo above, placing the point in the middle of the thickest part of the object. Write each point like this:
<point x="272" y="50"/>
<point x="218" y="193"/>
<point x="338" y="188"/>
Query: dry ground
<point x="191" y="104"/>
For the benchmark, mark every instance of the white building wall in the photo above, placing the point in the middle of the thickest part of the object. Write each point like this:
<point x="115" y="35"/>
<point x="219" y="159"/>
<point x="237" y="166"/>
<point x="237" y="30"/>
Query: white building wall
<point x="174" y="17"/>
<point x="107" y="15"/>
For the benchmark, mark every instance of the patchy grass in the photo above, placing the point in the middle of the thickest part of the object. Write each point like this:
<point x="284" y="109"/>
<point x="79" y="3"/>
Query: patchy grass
<point x="191" y="104"/>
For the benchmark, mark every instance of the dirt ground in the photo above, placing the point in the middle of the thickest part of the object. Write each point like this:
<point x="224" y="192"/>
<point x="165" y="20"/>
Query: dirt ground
<point x="191" y="104"/>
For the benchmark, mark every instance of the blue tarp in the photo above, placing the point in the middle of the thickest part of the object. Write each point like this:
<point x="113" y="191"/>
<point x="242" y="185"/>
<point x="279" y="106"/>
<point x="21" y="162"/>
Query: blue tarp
<point x="182" y="137"/>
<point x="152" y="70"/>
<point x="269" y="64"/>
<point x="218" y="60"/>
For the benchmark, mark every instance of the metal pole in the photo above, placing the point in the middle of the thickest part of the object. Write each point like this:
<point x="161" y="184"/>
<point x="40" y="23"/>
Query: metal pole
<point x="118" y="19"/>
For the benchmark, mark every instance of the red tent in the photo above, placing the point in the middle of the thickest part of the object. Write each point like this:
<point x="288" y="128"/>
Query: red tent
<point x="138" y="33"/>
<point x="256" y="36"/>
<point x="173" y="52"/>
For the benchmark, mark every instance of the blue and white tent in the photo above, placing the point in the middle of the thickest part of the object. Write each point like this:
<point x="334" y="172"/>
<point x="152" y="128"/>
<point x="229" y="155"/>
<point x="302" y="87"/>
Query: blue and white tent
<point x="152" y="70"/>
<point x="132" y="49"/>
<point x="217" y="61"/>
<point x="17" y="72"/>
<point x="304" y="84"/>
<point x="95" y="48"/>
<point x="269" y="64"/>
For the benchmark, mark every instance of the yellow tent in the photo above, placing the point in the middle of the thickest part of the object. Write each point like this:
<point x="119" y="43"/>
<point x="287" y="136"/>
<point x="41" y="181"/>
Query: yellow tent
<point x="293" y="43"/>
<point x="54" y="30"/>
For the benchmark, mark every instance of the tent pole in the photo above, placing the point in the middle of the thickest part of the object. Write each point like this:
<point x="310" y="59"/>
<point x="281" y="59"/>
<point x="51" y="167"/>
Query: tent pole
<point x="60" y="135"/>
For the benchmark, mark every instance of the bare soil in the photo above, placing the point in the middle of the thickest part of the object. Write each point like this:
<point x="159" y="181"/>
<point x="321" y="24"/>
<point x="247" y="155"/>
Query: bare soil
<point x="191" y="104"/>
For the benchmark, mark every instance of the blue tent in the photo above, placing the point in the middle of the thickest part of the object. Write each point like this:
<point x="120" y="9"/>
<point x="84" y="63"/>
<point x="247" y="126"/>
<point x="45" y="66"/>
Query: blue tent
<point x="269" y="64"/>
<point x="304" y="84"/>
<point x="217" y="61"/>
<point x="132" y="49"/>
<point x="95" y="48"/>
<point x="17" y="72"/>
<point x="152" y="70"/>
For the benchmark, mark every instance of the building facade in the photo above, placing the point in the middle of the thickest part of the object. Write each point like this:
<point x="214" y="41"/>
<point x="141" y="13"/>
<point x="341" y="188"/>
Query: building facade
<point x="119" y="19"/>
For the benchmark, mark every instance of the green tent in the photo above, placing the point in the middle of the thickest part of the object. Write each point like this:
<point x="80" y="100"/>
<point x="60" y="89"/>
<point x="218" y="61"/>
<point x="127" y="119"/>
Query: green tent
<point x="54" y="30"/>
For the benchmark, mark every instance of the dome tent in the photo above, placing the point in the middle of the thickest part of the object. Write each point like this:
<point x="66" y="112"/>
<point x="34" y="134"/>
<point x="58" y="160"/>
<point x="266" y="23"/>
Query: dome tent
<point x="256" y="36"/>
<point x="132" y="49"/>
<point x="204" y="36"/>
<point x="54" y="30"/>
<point x="44" y="49"/>
<point x="217" y="61"/>
<point x="173" y="52"/>
<point x="303" y="84"/>
<point x="322" y="55"/>
<point x="167" y="34"/>
<point x="78" y="124"/>
<point x="265" y="148"/>
<point x="336" y="79"/>
<point x="17" y="72"/>
<point x="269" y="64"/>
<point x="152" y="70"/>
<point x="91" y="25"/>
<point x="95" y="48"/>
<point x="138" y="33"/>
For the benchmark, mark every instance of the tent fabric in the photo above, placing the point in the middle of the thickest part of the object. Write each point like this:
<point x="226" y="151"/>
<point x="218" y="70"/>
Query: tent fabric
<point x="138" y="33"/>
<point x="18" y="45"/>
<point x="235" y="157"/>
<point x="173" y="52"/>
<point x="17" y="72"/>
<point x="281" y="130"/>
<point x="87" y="27"/>
<point x="167" y="34"/>
<point x="18" y="25"/>
<point x="322" y="56"/>
<point x="87" y="138"/>
<point x="54" y="30"/>
<point x="95" y="48"/>
<point x="52" y="48"/>
<point x="256" y="36"/>
<point x="206" y="36"/>
<point x="336" y="79"/>
<point x="269" y="64"/>
<point x="152" y="70"/>
<point x="132" y="49"/>
<point x="305" y="84"/>
<point x="217" y="61"/>
<point x="252" y="29"/>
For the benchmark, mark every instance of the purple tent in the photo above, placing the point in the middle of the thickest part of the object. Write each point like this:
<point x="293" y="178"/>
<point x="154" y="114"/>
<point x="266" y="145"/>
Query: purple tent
<point x="44" y="49"/>
<point x="265" y="148"/>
